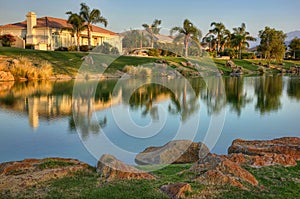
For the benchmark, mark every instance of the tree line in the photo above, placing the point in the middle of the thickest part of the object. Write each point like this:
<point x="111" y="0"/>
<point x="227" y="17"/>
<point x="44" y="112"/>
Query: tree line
<point x="219" y="39"/>
<point x="187" y="39"/>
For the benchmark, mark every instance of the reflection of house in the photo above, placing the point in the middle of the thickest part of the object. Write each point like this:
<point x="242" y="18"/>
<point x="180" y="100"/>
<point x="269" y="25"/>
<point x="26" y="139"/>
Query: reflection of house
<point x="47" y="33"/>
<point x="50" y="107"/>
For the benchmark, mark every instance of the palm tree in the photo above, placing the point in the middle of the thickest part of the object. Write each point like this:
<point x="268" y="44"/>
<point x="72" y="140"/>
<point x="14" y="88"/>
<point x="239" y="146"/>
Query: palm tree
<point x="91" y="17"/>
<point x="78" y="25"/>
<point x="226" y="40"/>
<point x="211" y="41"/>
<point x="219" y="30"/>
<point x="153" y="29"/>
<point x="190" y="32"/>
<point x="240" y="38"/>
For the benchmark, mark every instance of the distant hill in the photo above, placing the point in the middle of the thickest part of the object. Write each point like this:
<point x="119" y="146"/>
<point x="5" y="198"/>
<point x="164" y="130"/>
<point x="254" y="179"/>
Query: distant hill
<point x="290" y="36"/>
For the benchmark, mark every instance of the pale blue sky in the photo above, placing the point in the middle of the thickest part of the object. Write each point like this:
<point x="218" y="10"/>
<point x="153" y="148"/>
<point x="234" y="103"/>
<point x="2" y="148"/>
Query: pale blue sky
<point x="126" y="14"/>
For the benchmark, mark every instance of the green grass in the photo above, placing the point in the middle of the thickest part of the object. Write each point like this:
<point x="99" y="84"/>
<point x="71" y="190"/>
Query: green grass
<point x="50" y="164"/>
<point x="274" y="182"/>
<point x="62" y="62"/>
<point x="68" y="63"/>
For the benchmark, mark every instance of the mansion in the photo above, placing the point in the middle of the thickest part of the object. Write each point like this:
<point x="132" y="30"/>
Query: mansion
<point x="49" y="33"/>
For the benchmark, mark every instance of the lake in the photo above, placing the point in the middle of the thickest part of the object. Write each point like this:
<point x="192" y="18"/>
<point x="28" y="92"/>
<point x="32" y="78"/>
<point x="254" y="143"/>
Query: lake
<point x="124" y="116"/>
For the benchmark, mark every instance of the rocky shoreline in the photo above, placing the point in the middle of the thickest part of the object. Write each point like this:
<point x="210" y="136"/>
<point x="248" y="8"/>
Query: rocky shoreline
<point x="207" y="169"/>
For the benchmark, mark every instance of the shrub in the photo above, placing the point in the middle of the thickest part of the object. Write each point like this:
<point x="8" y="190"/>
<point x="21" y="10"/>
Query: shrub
<point x="72" y="48"/>
<point x="7" y="40"/>
<point x="61" y="49"/>
<point x="114" y="51"/>
<point x="45" y="70"/>
<point x="248" y="55"/>
<point x="22" y="67"/>
<point x="154" y="52"/>
<point x="213" y="54"/>
<point x="129" y="69"/>
<point x="29" y="46"/>
<point x="145" y="72"/>
<point x="261" y="69"/>
<point x="137" y="71"/>
<point x="84" y="48"/>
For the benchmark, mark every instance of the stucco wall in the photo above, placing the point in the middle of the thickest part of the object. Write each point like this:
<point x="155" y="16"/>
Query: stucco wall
<point x="19" y="43"/>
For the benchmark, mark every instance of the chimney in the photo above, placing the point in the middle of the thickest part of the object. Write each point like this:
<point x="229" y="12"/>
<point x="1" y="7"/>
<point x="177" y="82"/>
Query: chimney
<point x="31" y="22"/>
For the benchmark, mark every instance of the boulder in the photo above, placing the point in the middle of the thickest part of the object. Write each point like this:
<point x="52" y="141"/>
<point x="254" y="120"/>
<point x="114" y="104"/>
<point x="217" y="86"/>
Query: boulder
<point x="161" y="61"/>
<point x="183" y="64"/>
<point x="174" y="152"/>
<point x="190" y="64"/>
<point x="286" y="146"/>
<point x="17" y="176"/>
<point x="230" y="64"/>
<point x="6" y="76"/>
<point x="218" y="170"/>
<point x="269" y="159"/>
<point x="110" y="169"/>
<point x="215" y="177"/>
<point x="177" y="190"/>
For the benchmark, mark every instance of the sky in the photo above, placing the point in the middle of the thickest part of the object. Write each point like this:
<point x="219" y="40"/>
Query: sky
<point x="126" y="14"/>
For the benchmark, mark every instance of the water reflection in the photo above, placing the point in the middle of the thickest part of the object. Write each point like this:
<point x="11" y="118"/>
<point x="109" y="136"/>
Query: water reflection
<point x="51" y="100"/>
<point x="236" y="95"/>
<point x="214" y="95"/>
<point x="293" y="88"/>
<point x="268" y="91"/>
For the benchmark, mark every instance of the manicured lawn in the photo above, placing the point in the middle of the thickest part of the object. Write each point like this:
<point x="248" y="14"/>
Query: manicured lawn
<point x="274" y="182"/>
<point x="68" y="63"/>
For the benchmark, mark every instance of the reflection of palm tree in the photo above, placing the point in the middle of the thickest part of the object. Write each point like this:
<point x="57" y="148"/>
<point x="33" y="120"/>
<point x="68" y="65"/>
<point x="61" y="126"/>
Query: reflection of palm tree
<point x="268" y="91"/>
<point x="214" y="95"/>
<point x="235" y="93"/>
<point x="189" y="100"/>
<point x="293" y="89"/>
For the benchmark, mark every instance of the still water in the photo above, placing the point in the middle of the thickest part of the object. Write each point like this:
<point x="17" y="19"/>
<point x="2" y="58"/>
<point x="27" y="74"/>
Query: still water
<point x="123" y="117"/>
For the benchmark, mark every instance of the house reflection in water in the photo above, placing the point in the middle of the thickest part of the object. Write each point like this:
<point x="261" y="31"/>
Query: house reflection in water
<point x="48" y="107"/>
<point x="39" y="101"/>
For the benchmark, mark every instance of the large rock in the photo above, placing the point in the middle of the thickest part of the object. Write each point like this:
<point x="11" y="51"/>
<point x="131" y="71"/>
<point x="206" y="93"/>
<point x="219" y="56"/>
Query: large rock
<point x="17" y="176"/>
<point x="174" y="152"/>
<point x="230" y="64"/>
<point x="177" y="190"/>
<point x="110" y="169"/>
<point x="218" y="170"/>
<point x="6" y="76"/>
<point x="269" y="159"/>
<point x="215" y="177"/>
<point x="287" y="146"/>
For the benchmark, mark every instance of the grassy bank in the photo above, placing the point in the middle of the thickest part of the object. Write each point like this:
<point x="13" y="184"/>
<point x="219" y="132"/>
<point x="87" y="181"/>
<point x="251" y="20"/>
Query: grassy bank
<point x="68" y="63"/>
<point x="274" y="182"/>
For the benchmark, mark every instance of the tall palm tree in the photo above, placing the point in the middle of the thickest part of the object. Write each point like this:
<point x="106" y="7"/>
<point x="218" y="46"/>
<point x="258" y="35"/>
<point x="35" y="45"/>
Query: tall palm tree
<point x="219" y="30"/>
<point x="153" y="29"/>
<point x="190" y="32"/>
<point x="226" y="40"/>
<point x="211" y="41"/>
<point x="240" y="38"/>
<point x="78" y="25"/>
<point x="91" y="17"/>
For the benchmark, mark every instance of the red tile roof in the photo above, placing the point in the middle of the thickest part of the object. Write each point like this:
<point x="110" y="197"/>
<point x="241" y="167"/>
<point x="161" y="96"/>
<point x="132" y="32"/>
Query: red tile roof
<point x="53" y="23"/>
<point x="21" y="25"/>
